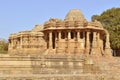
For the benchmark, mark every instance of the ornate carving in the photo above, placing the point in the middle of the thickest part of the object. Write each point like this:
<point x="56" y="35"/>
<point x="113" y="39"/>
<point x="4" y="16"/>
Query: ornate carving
<point x="38" y="39"/>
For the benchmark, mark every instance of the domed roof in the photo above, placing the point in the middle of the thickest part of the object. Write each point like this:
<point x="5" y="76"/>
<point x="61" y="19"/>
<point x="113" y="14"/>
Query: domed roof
<point x="75" y="15"/>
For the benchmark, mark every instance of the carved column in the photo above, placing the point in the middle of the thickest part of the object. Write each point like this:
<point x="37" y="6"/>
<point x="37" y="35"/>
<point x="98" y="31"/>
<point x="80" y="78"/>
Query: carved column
<point x="107" y="46"/>
<point x="58" y="43"/>
<point x="21" y="42"/>
<point x="68" y="43"/>
<point x="14" y="45"/>
<point x="50" y="40"/>
<point x="12" y="40"/>
<point x="87" y="43"/>
<point x="82" y="41"/>
<point x="47" y="39"/>
<point x="99" y="44"/>
<point x="78" y="35"/>
<point x="18" y="43"/>
<point x="94" y="43"/>
<point x="96" y="50"/>
<point x="98" y="39"/>
<point x="69" y="35"/>
<point x="77" y="50"/>
<point x="10" y="44"/>
<point x="87" y="40"/>
<point x="56" y="39"/>
<point x="59" y="35"/>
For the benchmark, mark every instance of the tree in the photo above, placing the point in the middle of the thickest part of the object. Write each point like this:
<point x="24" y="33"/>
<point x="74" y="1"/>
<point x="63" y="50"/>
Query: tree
<point x="111" y="21"/>
<point x="3" y="45"/>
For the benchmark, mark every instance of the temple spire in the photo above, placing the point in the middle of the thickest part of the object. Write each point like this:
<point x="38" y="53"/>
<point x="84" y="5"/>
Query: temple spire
<point x="75" y="15"/>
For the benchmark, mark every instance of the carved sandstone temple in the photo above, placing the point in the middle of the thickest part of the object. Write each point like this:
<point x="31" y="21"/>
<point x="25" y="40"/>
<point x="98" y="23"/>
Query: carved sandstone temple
<point x="69" y="49"/>
<point x="73" y="35"/>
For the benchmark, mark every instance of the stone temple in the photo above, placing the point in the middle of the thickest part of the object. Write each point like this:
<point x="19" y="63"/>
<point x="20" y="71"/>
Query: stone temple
<point x="73" y="35"/>
<point x="69" y="49"/>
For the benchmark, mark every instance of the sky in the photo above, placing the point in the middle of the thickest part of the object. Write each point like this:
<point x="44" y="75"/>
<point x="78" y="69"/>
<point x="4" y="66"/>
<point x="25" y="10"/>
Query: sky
<point x="21" y="15"/>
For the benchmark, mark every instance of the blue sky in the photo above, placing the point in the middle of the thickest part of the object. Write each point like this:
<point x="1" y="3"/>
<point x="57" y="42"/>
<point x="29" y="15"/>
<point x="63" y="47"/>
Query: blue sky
<point x="19" y="15"/>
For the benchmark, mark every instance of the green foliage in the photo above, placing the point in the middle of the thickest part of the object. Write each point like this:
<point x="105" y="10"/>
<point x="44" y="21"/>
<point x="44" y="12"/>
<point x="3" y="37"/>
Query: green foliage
<point x="3" y="46"/>
<point x="111" y="21"/>
<point x="95" y="17"/>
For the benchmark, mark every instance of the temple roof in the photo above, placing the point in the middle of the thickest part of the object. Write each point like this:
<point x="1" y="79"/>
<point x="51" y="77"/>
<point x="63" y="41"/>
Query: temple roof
<point x="75" y="15"/>
<point x="37" y="27"/>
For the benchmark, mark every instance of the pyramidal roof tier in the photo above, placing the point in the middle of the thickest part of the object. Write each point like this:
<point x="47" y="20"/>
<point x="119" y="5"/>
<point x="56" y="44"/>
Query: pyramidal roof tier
<point x="37" y="27"/>
<point x="75" y="15"/>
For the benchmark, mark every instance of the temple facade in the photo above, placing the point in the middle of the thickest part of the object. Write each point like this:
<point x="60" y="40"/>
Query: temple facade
<point x="27" y="41"/>
<point x="73" y="35"/>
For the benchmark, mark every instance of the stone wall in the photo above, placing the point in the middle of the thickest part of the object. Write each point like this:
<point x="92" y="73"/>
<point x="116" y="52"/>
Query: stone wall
<point x="57" y="67"/>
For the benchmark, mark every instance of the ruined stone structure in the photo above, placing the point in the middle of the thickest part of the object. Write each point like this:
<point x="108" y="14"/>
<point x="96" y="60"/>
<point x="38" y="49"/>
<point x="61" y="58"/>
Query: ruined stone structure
<point x="73" y="35"/>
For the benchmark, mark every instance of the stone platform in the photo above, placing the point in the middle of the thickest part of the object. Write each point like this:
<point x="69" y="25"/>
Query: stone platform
<point x="57" y="67"/>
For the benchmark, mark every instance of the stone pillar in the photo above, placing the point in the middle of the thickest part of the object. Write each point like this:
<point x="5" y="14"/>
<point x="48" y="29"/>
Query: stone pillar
<point x="98" y="39"/>
<point x="18" y="43"/>
<point x="83" y="40"/>
<point x="94" y="42"/>
<point x="47" y="39"/>
<point x="21" y="41"/>
<point x="77" y="50"/>
<point x="12" y="42"/>
<point x="10" y="48"/>
<point x="87" y="43"/>
<point x="58" y="50"/>
<point x="78" y="35"/>
<point x="100" y="44"/>
<point x="50" y="40"/>
<point x="69" y="35"/>
<point x="87" y="40"/>
<point x="56" y="39"/>
<point x="59" y="35"/>
<point x="107" y="46"/>
<point x="96" y="50"/>
<point x="68" y="43"/>
<point x="9" y="45"/>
